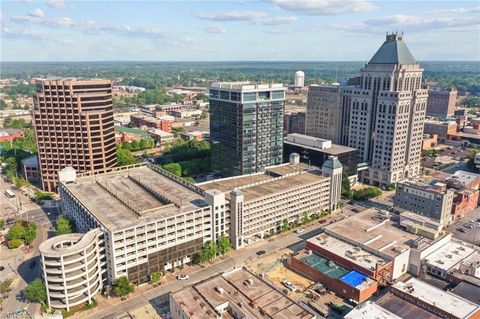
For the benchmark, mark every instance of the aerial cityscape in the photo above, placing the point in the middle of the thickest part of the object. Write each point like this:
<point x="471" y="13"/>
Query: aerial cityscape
<point x="283" y="159"/>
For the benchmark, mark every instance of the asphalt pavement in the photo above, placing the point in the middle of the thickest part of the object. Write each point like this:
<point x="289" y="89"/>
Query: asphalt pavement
<point x="468" y="235"/>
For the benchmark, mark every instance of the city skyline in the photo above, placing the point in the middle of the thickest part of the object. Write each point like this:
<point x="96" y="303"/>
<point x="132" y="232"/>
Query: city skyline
<point x="234" y="31"/>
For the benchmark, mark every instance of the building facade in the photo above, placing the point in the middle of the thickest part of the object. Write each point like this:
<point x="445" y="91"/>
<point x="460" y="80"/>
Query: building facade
<point x="294" y="122"/>
<point x="73" y="268"/>
<point x="315" y="151"/>
<point x="246" y="126"/>
<point x="386" y="112"/>
<point x="441" y="103"/>
<point x="324" y="112"/>
<point x="433" y="201"/>
<point x="441" y="129"/>
<point x="73" y="122"/>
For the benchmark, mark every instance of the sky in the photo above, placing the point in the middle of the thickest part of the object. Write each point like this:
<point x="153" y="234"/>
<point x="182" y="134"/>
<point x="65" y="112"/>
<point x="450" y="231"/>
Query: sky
<point x="255" y="30"/>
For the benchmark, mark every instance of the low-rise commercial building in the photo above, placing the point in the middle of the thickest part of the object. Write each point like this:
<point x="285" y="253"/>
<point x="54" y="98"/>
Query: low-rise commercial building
<point x="439" y="302"/>
<point x="315" y="151"/>
<point x="149" y="121"/>
<point x="31" y="169"/>
<point x="160" y="137"/>
<point x="9" y="134"/>
<point x="195" y="135"/>
<point x="462" y="179"/>
<point x="259" y="203"/>
<point x="73" y="268"/>
<point x="369" y="310"/>
<point x="433" y="201"/>
<point x="185" y="113"/>
<point x="236" y="294"/>
<point x="429" y="141"/>
<point x="441" y="129"/>
<point x="464" y="202"/>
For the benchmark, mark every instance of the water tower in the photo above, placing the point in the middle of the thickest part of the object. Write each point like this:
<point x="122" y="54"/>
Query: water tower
<point x="299" y="79"/>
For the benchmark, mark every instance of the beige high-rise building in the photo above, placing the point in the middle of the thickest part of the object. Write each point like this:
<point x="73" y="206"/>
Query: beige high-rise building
<point x="73" y="121"/>
<point x="441" y="103"/>
<point x="386" y="114"/>
<point x="324" y="112"/>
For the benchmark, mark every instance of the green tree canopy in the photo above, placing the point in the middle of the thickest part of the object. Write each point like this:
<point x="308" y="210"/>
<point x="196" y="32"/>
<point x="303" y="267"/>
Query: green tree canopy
<point x="17" y="231"/>
<point x="124" y="157"/>
<point x="223" y="244"/>
<point x="122" y="287"/>
<point x="155" y="277"/>
<point x="64" y="226"/>
<point x="30" y="233"/>
<point x="36" y="292"/>
<point x="173" y="168"/>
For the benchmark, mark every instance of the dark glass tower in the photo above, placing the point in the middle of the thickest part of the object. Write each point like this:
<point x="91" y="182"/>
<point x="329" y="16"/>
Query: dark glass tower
<point x="246" y="127"/>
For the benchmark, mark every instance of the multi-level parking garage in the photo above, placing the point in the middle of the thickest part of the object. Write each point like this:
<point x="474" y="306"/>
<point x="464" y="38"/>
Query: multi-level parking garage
<point x="73" y="268"/>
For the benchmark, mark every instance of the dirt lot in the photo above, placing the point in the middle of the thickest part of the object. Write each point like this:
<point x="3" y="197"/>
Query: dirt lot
<point x="280" y="273"/>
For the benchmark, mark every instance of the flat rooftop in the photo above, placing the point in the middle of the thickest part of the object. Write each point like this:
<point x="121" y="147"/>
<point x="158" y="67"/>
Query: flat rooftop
<point x="403" y="309"/>
<point x="463" y="177"/>
<point x="377" y="231"/>
<point x="448" y="302"/>
<point x="450" y="255"/>
<point x="246" y="86"/>
<point x="468" y="291"/>
<point x="130" y="196"/>
<point x="348" y="251"/>
<point x="369" y="310"/>
<point x="242" y="291"/>
<point x="317" y="144"/>
<point x="274" y="180"/>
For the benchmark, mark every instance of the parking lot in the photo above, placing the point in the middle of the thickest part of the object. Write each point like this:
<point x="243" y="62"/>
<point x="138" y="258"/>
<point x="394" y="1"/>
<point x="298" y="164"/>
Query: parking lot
<point x="445" y="156"/>
<point x="467" y="235"/>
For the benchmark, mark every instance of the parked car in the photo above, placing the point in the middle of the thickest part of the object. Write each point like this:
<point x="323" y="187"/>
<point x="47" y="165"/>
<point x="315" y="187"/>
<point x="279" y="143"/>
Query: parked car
<point x="260" y="252"/>
<point x="462" y="230"/>
<point x="289" y="285"/>
<point x="299" y="231"/>
<point x="183" y="277"/>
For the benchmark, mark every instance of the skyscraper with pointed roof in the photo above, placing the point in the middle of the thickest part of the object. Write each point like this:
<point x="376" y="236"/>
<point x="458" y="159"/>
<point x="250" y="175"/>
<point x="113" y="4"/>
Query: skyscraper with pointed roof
<point x="385" y="114"/>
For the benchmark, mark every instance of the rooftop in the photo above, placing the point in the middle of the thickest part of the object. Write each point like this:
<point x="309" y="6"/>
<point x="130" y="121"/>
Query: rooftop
<point x="246" y="86"/>
<point x="350" y="252"/>
<point x="403" y="308"/>
<point x="30" y="161"/>
<point x="134" y="131"/>
<point x="241" y="290"/>
<point x="463" y="178"/>
<point x="448" y="302"/>
<point x="468" y="291"/>
<point x="370" y="310"/>
<point x="393" y="51"/>
<point x="317" y="144"/>
<point x="377" y="231"/>
<point x="134" y="195"/>
<point x="275" y="179"/>
<point x="450" y="255"/>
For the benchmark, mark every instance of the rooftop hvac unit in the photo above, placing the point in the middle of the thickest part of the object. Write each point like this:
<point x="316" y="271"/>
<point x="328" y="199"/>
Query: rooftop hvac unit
<point x="440" y="262"/>
<point x="461" y="248"/>
<point x="448" y="256"/>
<point x="220" y="290"/>
<point x="455" y="252"/>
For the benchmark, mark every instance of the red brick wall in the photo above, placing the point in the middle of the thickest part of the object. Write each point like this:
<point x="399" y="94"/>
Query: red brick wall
<point x="464" y="203"/>
<point x="10" y="137"/>
<point x="336" y="285"/>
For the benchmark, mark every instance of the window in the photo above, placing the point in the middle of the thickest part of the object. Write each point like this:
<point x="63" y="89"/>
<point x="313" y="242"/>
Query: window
<point x="249" y="96"/>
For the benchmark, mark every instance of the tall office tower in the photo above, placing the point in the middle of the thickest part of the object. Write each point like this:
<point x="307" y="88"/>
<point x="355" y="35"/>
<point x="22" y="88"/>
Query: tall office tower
<point x="246" y="126"/>
<point x="386" y="114"/>
<point x="324" y="112"/>
<point x="441" y="103"/>
<point x="73" y="121"/>
<point x="294" y="122"/>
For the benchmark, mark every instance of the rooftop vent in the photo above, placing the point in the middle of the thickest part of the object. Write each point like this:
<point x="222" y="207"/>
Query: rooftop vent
<point x="220" y="290"/>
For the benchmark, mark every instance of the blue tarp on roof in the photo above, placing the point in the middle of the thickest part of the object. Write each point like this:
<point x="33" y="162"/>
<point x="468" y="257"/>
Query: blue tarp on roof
<point x="353" y="278"/>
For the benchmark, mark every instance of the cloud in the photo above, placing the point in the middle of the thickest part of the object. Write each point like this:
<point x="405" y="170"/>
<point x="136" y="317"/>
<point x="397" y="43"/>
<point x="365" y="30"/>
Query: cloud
<point x="253" y="17"/>
<point x="49" y="22"/>
<point x="458" y="10"/>
<point x="29" y="34"/>
<point x="410" y="23"/>
<point x="93" y="27"/>
<point x="36" y="13"/>
<point x="214" y="28"/>
<point x="325" y="7"/>
<point x="56" y="4"/>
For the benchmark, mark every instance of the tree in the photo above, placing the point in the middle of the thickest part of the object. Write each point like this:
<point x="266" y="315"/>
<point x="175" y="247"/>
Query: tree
<point x="155" y="277"/>
<point x="14" y="243"/>
<point x="30" y="233"/>
<point x="122" y="287"/>
<point x="124" y="157"/>
<point x="285" y="225"/>
<point x="36" y="292"/>
<point x="64" y="226"/>
<point x="39" y="196"/>
<point x="135" y="145"/>
<point x="190" y="180"/>
<point x="209" y="251"/>
<point x="223" y="244"/>
<point x="305" y="219"/>
<point x="346" y="191"/>
<point x="126" y="146"/>
<point x="17" y="231"/>
<point x="2" y="223"/>
<point x="144" y="144"/>
<point x="173" y="168"/>
<point x="5" y="286"/>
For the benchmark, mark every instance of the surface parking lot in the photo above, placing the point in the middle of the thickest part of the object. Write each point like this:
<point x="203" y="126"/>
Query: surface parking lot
<point x="467" y="235"/>
<point x="445" y="155"/>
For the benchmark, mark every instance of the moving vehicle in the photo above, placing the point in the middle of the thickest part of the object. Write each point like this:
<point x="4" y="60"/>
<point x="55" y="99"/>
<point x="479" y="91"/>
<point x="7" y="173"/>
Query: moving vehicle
<point x="9" y="193"/>
<point x="183" y="277"/>
<point x="260" y="252"/>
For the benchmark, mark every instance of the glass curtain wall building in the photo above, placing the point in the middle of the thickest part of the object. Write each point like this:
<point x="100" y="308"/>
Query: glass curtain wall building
<point x="246" y="126"/>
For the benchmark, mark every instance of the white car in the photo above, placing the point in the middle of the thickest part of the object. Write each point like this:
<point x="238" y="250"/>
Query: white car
<point x="299" y="231"/>
<point x="183" y="277"/>
<point x="289" y="285"/>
